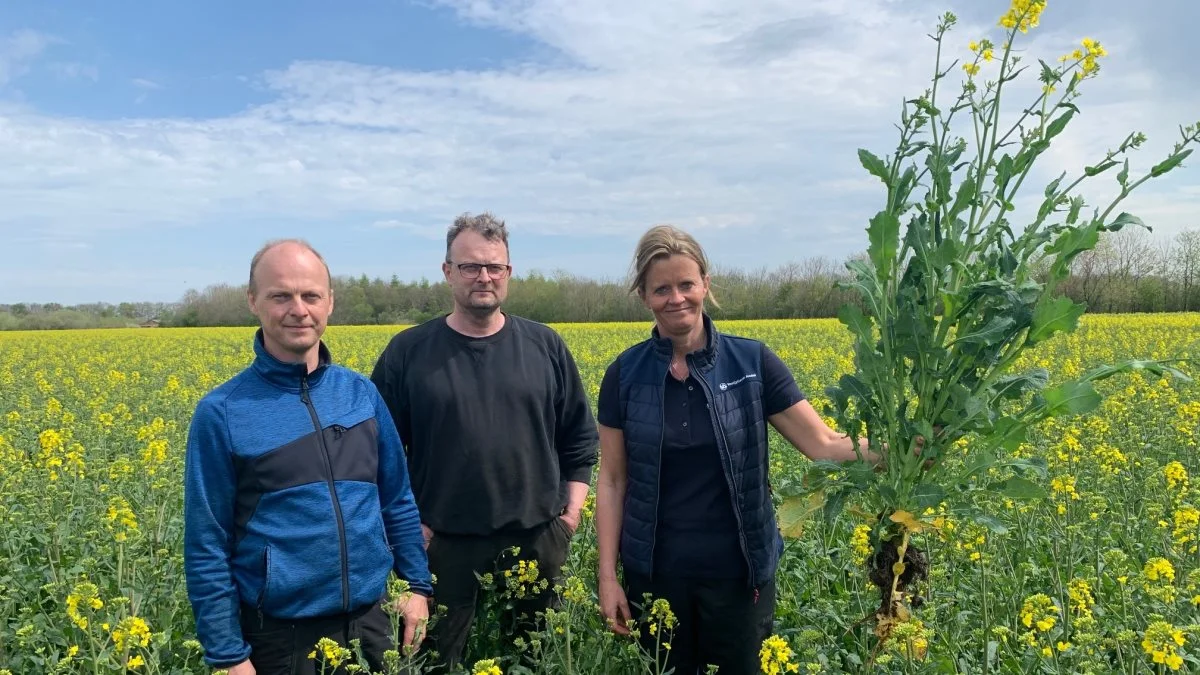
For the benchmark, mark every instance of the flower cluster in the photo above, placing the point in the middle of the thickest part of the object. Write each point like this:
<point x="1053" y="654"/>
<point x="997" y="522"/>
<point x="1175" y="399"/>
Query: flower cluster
<point x="775" y="657"/>
<point x="1162" y="642"/>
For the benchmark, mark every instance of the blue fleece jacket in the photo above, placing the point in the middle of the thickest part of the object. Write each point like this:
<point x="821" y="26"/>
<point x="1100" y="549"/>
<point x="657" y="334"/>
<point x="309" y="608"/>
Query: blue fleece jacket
<point x="296" y="500"/>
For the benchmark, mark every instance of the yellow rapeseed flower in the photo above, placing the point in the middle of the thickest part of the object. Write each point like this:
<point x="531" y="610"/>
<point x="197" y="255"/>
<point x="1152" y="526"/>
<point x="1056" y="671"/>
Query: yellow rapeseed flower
<point x="775" y="657"/>
<point x="1161" y="642"/>
<point x="486" y="667"/>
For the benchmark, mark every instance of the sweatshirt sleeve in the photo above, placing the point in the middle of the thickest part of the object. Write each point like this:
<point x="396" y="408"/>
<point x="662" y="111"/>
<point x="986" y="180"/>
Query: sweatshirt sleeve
<point x="401" y="519"/>
<point x="209" y="486"/>
<point x="385" y="376"/>
<point x="576" y="437"/>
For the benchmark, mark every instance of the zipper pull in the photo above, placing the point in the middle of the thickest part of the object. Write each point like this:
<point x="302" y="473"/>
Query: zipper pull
<point x="338" y="430"/>
<point x="756" y="596"/>
<point x="304" y="389"/>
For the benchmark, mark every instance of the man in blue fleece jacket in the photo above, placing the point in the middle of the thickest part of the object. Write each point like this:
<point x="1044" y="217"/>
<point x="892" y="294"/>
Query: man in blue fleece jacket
<point x="297" y="503"/>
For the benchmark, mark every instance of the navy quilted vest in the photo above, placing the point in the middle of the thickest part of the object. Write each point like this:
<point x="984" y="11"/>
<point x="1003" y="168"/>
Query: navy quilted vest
<point x="730" y="371"/>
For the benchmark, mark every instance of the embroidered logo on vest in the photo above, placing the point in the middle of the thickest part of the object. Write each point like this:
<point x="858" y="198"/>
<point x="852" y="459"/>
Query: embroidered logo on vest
<point x="725" y="385"/>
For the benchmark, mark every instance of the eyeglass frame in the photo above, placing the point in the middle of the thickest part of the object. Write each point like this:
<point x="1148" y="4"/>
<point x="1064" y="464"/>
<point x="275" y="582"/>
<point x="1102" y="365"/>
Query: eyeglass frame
<point x="506" y="267"/>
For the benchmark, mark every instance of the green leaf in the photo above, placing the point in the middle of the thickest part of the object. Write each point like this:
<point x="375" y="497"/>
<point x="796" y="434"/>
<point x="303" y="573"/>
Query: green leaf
<point x="1070" y="398"/>
<point x="1015" y="386"/>
<point x="855" y="387"/>
<point x="1073" y="211"/>
<point x="1008" y="433"/>
<point x="1019" y="488"/>
<point x="1052" y="186"/>
<point x="1125" y="219"/>
<point x="1071" y="243"/>
<point x="1099" y="168"/>
<point x="834" y="504"/>
<point x="1169" y="163"/>
<point x="884" y="236"/>
<point x="1058" y="124"/>
<point x="993" y="331"/>
<point x="927" y="496"/>
<point x="875" y="166"/>
<point x="854" y="319"/>
<point x="1004" y="171"/>
<point x="1159" y="368"/>
<point x="1123" y="175"/>
<point x="987" y="520"/>
<point x="1036" y="465"/>
<point x="966" y="192"/>
<point x="1054" y="316"/>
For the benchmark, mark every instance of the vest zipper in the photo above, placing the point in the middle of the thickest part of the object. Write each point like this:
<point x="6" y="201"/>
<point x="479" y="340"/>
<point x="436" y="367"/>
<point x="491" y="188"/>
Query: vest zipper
<point x="337" y="504"/>
<point x="722" y="444"/>
<point x="662" y="434"/>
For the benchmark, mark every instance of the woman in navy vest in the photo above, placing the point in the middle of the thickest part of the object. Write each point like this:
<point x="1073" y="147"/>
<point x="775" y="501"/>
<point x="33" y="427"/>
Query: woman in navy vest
<point x="683" y="492"/>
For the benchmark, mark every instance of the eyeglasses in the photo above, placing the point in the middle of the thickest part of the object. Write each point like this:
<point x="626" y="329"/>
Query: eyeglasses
<point x="494" y="270"/>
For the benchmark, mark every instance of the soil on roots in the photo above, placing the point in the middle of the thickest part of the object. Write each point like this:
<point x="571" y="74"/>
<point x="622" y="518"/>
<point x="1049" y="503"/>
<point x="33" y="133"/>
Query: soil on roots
<point x="916" y="570"/>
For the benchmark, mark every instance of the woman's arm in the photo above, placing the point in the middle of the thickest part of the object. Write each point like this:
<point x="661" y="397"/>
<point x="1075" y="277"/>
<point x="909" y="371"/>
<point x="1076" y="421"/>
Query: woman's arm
<point x="804" y="428"/>
<point x="610" y="509"/>
<point x="610" y="499"/>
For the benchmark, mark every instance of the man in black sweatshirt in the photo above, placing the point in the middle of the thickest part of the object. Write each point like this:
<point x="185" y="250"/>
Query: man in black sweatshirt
<point x="499" y="433"/>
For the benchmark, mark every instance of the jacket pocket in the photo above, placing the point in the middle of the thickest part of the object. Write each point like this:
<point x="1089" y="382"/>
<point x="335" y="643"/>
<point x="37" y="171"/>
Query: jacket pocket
<point x="266" y="587"/>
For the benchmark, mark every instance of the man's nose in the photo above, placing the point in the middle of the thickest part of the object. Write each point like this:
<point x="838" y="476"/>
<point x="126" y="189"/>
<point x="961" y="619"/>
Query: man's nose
<point x="298" y="307"/>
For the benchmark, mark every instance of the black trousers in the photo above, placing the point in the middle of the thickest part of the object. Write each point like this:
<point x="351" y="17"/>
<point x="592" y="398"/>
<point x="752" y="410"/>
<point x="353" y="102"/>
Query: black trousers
<point x="454" y="561"/>
<point x="720" y="622"/>
<point x="282" y="646"/>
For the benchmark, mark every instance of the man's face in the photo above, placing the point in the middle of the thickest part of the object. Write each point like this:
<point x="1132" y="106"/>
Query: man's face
<point x="483" y="294"/>
<point x="292" y="301"/>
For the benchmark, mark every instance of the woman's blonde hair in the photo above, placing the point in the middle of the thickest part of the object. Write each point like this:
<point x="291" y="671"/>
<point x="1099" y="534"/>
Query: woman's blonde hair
<point x="662" y="241"/>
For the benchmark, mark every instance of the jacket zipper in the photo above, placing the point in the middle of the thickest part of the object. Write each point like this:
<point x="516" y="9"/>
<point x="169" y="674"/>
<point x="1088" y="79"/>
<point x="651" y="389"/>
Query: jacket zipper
<point x="262" y="596"/>
<point x="662" y="434"/>
<point x="337" y="504"/>
<point x="720" y="433"/>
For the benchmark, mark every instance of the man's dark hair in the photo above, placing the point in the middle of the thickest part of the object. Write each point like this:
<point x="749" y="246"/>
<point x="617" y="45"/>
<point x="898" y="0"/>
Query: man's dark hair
<point x="485" y="224"/>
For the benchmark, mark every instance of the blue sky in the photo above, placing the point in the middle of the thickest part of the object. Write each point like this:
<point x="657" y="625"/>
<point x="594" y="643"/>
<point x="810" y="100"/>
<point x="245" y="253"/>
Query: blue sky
<point x="148" y="148"/>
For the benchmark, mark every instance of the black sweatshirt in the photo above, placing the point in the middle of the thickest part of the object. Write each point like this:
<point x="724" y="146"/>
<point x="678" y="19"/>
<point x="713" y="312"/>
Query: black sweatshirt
<point x="493" y="427"/>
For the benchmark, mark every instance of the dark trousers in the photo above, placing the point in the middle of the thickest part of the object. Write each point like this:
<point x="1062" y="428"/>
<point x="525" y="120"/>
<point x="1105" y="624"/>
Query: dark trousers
<point x="454" y="561"/>
<point x="282" y="646"/>
<point x="720" y="622"/>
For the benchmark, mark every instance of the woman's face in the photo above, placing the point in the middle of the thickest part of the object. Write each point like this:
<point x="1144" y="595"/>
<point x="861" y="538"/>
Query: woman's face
<point x="675" y="292"/>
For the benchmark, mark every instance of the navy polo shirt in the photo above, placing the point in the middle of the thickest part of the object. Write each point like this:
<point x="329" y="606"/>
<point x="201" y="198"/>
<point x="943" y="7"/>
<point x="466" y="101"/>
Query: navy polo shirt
<point x="697" y="534"/>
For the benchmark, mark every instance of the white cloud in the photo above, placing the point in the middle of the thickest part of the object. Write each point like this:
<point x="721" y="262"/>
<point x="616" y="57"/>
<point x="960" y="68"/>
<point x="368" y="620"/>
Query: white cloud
<point x="427" y="230"/>
<point x="18" y="50"/>
<point x="72" y="70"/>
<point x="706" y="113"/>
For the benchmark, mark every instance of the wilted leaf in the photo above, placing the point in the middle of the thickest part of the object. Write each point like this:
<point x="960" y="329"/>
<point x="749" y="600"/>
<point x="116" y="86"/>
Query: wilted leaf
<point x="794" y="512"/>
<point x="909" y="522"/>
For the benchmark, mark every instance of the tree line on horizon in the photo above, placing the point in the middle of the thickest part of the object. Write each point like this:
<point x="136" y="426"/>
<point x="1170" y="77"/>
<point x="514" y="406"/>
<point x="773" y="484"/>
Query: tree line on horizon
<point x="1127" y="272"/>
